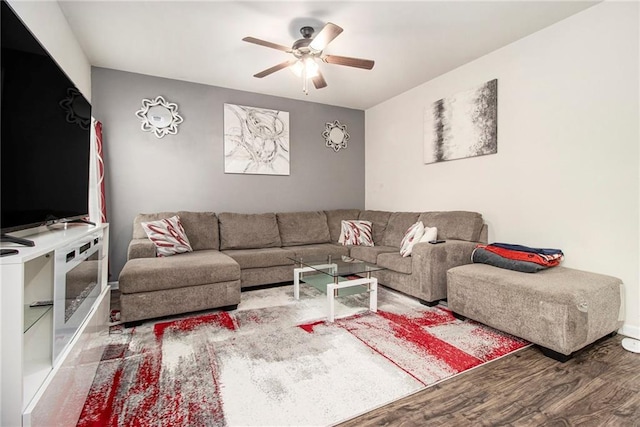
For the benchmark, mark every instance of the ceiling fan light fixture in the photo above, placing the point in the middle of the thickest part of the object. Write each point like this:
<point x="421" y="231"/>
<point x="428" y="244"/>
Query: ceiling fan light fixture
<point x="305" y="52"/>
<point x="306" y="66"/>
<point x="311" y="66"/>
<point x="296" y="68"/>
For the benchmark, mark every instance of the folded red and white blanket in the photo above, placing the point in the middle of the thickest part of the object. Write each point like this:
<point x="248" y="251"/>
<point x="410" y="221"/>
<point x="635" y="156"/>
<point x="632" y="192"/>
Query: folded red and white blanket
<point x="544" y="257"/>
<point x="483" y="256"/>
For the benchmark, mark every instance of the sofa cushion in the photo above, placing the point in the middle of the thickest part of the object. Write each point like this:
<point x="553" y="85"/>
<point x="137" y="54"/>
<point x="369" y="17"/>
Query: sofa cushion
<point x="303" y="228"/>
<point x="170" y="302"/>
<point x="266" y="257"/>
<point x="395" y="262"/>
<point x="370" y="253"/>
<point x="188" y="269"/>
<point x="168" y="235"/>
<point x="399" y="223"/>
<point x="247" y="231"/>
<point x="319" y="250"/>
<point x="379" y="220"/>
<point x="335" y="218"/>
<point x="201" y="227"/>
<point x="251" y="277"/>
<point x="458" y="225"/>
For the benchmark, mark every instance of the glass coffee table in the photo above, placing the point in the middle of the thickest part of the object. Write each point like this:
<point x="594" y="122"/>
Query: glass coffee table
<point x="329" y="275"/>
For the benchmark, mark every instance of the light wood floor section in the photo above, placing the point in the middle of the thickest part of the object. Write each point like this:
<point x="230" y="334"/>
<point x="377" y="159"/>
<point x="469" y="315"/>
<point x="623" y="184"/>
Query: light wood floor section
<point x="599" y="387"/>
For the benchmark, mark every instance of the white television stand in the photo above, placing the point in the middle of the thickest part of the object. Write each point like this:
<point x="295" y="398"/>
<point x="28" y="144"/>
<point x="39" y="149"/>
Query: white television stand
<point x="37" y="388"/>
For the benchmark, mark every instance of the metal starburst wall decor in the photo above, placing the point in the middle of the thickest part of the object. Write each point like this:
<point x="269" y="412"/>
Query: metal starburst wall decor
<point x="335" y="135"/>
<point x="159" y="116"/>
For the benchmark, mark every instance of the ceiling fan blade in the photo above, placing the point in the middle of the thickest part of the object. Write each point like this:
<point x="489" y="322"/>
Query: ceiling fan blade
<point x="366" y="64"/>
<point x="266" y="44"/>
<point x="318" y="81"/>
<point x="329" y="32"/>
<point x="273" y="69"/>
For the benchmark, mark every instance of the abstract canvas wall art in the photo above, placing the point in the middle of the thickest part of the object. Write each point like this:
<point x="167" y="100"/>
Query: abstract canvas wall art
<point x="463" y="125"/>
<point x="256" y="140"/>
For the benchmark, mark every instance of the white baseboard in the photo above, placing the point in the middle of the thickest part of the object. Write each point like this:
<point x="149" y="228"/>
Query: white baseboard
<point x="630" y="331"/>
<point x="114" y="285"/>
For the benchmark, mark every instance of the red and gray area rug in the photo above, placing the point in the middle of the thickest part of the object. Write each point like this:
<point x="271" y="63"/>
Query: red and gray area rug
<point x="275" y="362"/>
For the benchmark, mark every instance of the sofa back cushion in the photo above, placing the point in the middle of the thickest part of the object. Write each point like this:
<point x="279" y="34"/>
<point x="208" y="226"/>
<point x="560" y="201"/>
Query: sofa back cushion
<point x="138" y="231"/>
<point x="201" y="227"/>
<point x="458" y="225"/>
<point x="335" y="218"/>
<point x="248" y="231"/>
<point x="399" y="223"/>
<point x="484" y="234"/>
<point x="379" y="220"/>
<point x="303" y="228"/>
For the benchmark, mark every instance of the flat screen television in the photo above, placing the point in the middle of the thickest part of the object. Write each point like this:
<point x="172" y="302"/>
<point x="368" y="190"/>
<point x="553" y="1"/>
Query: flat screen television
<point x="45" y="141"/>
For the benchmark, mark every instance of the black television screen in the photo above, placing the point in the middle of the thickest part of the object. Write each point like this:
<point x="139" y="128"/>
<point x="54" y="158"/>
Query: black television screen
<point x="45" y="141"/>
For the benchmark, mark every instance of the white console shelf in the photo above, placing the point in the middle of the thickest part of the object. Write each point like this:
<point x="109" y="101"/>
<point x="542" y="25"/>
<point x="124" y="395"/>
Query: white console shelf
<point x="34" y="380"/>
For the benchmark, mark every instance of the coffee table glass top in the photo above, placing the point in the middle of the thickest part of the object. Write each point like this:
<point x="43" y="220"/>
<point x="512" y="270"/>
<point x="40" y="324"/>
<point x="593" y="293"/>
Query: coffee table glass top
<point x="336" y="276"/>
<point x="336" y="266"/>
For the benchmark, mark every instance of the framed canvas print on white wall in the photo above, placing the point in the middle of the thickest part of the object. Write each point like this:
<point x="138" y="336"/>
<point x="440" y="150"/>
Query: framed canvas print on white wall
<point x="256" y="140"/>
<point x="463" y="125"/>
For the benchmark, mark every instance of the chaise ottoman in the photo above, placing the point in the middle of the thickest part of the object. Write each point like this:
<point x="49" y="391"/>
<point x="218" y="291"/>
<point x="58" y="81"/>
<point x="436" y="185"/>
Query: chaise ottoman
<point x="560" y="309"/>
<point x="165" y="286"/>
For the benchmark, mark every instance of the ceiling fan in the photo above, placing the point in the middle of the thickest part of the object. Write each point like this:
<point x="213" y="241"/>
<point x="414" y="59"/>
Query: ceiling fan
<point x="306" y="50"/>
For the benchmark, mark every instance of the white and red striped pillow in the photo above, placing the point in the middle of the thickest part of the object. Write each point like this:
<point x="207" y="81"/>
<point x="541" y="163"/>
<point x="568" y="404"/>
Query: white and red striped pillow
<point x="168" y="235"/>
<point x="411" y="237"/>
<point x="430" y="233"/>
<point x="356" y="232"/>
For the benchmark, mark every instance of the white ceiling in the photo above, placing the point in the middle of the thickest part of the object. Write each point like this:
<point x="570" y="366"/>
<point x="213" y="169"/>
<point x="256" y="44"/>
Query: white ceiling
<point x="411" y="42"/>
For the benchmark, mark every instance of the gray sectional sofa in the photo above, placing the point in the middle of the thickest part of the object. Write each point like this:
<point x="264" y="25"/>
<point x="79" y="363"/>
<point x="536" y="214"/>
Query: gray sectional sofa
<point x="234" y="251"/>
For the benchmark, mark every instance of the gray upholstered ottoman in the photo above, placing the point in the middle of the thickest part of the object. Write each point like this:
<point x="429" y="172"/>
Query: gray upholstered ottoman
<point x="560" y="309"/>
<point x="165" y="286"/>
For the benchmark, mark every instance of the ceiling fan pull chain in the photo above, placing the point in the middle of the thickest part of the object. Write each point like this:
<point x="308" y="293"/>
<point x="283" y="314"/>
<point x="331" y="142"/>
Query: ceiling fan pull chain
<point x="305" y="89"/>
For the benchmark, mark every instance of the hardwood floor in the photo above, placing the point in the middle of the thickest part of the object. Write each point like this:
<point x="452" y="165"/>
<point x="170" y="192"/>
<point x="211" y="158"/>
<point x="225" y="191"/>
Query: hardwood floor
<point x="599" y="387"/>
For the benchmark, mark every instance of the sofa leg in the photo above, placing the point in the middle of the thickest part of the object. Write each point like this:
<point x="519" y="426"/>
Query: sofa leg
<point x="133" y="324"/>
<point x="459" y="316"/>
<point x="429" y="303"/>
<point x="229" y="307"/>
<point x="562" y="358"/>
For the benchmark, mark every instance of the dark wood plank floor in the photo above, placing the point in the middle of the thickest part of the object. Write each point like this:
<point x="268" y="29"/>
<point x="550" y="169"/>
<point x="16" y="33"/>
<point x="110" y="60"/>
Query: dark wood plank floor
<point x="599" y="387"/>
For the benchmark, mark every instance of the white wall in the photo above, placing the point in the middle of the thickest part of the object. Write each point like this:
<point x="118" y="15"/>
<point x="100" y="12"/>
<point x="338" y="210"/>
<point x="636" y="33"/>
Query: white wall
<point x="48" y="24"/>
<point x="566" y="171"/>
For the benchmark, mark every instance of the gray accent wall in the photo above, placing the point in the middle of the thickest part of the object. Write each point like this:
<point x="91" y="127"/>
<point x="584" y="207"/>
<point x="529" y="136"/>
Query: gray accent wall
<point x="186" y="171"/>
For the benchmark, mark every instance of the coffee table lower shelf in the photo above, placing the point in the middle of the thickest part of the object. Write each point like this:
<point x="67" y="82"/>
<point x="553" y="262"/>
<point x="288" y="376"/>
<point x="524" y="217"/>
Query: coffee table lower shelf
<point x="340" y="286"/>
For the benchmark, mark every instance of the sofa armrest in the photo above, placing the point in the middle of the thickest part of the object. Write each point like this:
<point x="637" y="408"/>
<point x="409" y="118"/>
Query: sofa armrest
<point x="430" y="263"/>
<point x="141" y="248"/>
